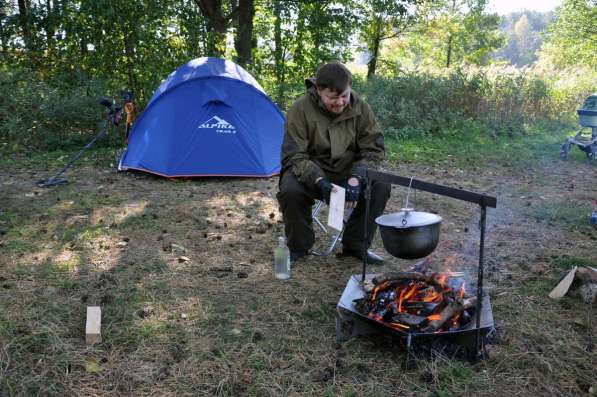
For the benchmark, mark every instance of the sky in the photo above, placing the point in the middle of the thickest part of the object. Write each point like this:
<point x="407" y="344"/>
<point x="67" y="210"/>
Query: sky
<point x="503" y="7"/>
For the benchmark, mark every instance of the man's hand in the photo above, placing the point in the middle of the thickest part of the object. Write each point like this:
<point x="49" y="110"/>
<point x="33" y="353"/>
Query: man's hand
<point x="353" y="191"/>
<point x="325" y="187"/>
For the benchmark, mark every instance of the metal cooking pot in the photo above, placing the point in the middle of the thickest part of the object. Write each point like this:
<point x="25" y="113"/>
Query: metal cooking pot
<point x="409" y="234"/>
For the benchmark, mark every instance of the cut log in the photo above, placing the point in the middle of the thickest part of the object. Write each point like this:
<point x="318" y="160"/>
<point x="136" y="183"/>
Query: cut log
<point x="93" y="325"/>
<point x="453" y="308"/>
<point x="563" y="286"/>
<point x="587" y="274"/>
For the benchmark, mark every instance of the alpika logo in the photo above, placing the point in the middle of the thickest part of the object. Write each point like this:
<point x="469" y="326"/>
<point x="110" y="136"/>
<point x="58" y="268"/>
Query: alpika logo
<point x="220" y="125"/>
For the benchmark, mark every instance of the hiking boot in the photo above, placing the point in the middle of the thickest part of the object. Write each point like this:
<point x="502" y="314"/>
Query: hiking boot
<point x="372" y="257"/>
<point x="296" y="255"/>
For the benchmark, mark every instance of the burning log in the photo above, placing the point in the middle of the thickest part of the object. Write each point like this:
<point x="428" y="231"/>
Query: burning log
<point x="399" y="276"/>
<point x="410" y="319"/>
<point x="416" y="301"/>
<point x="422" y="307"/>
<point x="453" y="308"/>
<point x="437" y="280"/>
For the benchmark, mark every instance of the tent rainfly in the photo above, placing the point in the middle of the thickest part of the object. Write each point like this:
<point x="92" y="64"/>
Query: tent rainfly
<point x="210" y="117"/>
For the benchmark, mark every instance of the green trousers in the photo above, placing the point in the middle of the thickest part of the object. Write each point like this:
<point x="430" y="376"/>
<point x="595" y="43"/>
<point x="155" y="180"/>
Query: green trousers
<point x="297" y="199"/>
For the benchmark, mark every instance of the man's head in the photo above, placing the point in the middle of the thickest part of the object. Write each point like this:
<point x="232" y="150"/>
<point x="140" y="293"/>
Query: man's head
<point x="334" y="82"/>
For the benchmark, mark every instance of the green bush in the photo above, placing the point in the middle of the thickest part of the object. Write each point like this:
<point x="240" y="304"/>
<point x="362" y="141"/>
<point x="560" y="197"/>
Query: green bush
<point x="499" y="100"/>
<point x="60" y="111"/>
<point x="40" y="115"/>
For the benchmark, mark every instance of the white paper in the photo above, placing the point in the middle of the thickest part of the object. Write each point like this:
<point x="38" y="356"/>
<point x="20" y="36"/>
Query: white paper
<point x="336" y="213"/>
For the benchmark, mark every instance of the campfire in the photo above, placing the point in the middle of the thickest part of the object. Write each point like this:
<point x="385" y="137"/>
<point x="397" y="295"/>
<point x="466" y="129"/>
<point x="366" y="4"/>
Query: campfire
<point x="418" y="305"/>
<point x="418" y="302"/>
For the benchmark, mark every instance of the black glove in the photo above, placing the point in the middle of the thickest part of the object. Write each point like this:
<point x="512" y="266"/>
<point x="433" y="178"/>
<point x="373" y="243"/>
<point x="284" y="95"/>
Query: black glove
<point x="352" y="192"/>
<point x="359" y="172"/>
<point x="325" y="187"/>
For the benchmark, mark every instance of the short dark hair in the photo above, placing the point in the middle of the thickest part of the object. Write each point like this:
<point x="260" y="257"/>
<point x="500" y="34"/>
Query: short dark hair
<point x="334" y="76"/>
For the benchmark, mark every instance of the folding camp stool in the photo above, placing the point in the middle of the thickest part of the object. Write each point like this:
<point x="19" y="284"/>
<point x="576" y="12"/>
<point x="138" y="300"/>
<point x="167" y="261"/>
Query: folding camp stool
<point x="337" y="237"/>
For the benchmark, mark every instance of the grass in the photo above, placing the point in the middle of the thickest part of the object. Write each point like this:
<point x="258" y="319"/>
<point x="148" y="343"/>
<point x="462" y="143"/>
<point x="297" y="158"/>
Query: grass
<point x="173" y="327"/>
<point x="569" y="262"/>
<point x="563" y="214"/>
<point x="54" y="161"/>
<point x="472" y="146"/>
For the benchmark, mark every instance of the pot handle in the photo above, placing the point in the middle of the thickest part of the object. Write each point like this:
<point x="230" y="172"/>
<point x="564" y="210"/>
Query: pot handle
<point x="408" y="192"/>
<point x="406" y="211"/>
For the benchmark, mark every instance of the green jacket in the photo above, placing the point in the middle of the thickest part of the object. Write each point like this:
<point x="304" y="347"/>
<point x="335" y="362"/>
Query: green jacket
<point x="318" y="143"/>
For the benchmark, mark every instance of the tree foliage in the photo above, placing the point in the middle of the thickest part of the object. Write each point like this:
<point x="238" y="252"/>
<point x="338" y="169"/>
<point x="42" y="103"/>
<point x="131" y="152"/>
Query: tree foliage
<point x="383" y="20"/>
<point x="524" y="32"/>
<point x="572" y="39"/>
<point x="53" y="49"/>
<point x="447" y="33"/>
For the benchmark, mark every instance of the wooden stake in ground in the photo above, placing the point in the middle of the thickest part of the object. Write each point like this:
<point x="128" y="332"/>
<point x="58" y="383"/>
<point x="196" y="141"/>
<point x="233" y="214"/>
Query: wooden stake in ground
<point x="94" y="325"/>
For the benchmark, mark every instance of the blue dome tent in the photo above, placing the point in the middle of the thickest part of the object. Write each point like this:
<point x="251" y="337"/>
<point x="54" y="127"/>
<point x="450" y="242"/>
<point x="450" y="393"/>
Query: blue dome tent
<point x="210" y="117"/>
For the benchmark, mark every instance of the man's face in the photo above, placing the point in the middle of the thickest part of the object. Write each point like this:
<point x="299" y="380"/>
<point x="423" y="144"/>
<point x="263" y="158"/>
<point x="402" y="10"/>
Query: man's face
<point x="333" y="101"/>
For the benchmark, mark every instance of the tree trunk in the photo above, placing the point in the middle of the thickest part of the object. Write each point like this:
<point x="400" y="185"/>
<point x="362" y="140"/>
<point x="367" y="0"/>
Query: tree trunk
<point x="244" y="35"/>
<point x="317" y="34"/>
<point x="49" y="25"/>
<point x="129" y="51"/>
<point x="449" y="49"/>
<point x="300" y="28"/>
<point x="278" y="53"/>
<point x="449" y="52"/>
<point x="24" y="22"/>
<point x="217" y="25"/>
<point x="3" y="46"/>
<point x="372" y="64"/>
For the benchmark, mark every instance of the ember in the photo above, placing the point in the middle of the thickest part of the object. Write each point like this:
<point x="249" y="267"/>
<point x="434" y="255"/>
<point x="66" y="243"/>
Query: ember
<point x="418" y="302"/>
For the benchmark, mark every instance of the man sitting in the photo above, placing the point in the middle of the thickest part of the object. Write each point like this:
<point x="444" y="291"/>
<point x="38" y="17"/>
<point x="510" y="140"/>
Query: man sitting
<point x="331" y="136"/>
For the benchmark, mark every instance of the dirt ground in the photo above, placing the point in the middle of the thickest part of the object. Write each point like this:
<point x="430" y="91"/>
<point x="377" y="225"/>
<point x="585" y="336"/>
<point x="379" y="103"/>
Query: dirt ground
<point x="183" y="273"/>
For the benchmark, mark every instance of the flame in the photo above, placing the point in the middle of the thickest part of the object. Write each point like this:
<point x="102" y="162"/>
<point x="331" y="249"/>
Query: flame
<point x="433" y="297"/>
<point x="378" y="288"/>
<point x="399" y="326"/>
<point x="411" y="291"/>
<point x="400" y="299"/>
<point x="418" y="298"/>
<point x="461" y="291"/>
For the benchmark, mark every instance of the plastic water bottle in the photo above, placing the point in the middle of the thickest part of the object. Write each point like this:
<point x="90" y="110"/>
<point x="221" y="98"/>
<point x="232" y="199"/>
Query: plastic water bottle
<point x="594" y="215"/>
<point x="282" y="260"/>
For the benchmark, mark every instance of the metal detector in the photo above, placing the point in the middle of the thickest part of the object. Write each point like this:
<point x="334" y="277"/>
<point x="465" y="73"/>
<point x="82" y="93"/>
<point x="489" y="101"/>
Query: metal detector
<point x="113" y="118"/>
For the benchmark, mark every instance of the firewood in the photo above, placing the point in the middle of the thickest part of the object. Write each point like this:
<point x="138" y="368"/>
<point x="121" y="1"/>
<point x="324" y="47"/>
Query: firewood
<point x="563" y="286"/>
<point x="409" y="319"/>
<point x="404" y="276"/>
<point x="426" y="307"/>
<point x="454" y="307"/>
<point x="93" y="325"/>
<point x="587" y="274"/>
<point x="399" y="276"/>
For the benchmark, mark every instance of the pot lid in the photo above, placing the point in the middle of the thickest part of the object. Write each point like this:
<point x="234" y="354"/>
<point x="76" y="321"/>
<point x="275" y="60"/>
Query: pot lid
<point x="405" y="219"/>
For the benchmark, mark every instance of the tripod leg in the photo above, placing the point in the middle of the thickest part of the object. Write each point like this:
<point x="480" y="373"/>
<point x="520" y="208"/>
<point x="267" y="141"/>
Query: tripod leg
<point x="55" y="179"/>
